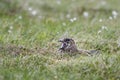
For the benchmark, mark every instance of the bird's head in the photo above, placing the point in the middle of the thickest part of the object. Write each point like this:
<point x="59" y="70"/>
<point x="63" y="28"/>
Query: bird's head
<point x="67" y="44"/>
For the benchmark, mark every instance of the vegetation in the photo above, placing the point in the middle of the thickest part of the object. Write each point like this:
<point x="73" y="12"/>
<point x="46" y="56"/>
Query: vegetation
<point x="30" y="31"/>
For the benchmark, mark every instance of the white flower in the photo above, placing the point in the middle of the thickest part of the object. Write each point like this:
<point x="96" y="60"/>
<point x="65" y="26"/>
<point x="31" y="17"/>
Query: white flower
<point x="20" y="17"/>
<point x="9" y="31"/>
<point x="100" y="20"/>
<point x="73" y="19"/>
<point x="34" y="12"/>
<point x="104" y="28"/>
<point x="11" y="27"/>
<point x="85" y="14"/>
<point x="64" y="24"/>
<point x="30" y="9"/>
<point x="114" y="13"/>
<point x="99" y="31"/>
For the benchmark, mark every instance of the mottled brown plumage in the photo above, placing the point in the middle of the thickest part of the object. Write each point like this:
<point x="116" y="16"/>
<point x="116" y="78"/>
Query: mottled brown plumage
<point x="69" y="46"/>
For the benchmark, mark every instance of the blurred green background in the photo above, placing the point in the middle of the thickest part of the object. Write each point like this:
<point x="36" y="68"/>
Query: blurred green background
<point x="30" y="29"/>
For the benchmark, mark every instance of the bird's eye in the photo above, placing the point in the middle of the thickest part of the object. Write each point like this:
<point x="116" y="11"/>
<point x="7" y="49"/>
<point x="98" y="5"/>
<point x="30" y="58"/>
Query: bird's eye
<point x="68" y="42"/>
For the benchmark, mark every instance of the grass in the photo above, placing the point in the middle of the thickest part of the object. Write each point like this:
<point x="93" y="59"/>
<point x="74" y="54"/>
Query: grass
<point x="29" y="47"/>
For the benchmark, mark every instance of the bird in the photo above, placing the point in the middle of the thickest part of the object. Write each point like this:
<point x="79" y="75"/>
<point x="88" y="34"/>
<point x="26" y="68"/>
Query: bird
<point x="69" y="46"/>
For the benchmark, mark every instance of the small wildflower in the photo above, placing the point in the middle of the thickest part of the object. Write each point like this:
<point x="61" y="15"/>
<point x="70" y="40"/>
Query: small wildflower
<point x="55" y="77"/>
<point x="9" y="31"/>
<point x="73" y="19"/>
<point x="30" y="9"/>
<point x="20" y="17"/>
<point x="104" y="28"/>
<point x="99" y="31"/>
<point x="85" y="14"/>
<point x="114" y="13"/>
<point x="58" y="32"/>
<point x="34" y="12"/>
<point x="64" y="24"/>
<point x="100" y="20"/>
<point x="11" y="27"/>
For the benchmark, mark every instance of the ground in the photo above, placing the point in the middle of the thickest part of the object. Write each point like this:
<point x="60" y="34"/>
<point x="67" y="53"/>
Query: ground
<point x="30" y="31"/>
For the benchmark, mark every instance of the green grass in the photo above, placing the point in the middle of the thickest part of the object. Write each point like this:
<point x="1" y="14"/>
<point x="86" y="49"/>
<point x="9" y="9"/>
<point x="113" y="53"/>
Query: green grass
<point x="29" y="44"/>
